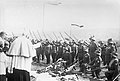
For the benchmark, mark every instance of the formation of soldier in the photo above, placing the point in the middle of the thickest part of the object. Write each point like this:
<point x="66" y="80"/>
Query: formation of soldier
<point x="89" y="54"/>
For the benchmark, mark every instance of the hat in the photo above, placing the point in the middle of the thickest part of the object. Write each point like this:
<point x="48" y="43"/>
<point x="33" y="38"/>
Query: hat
<point x="110" y="42"/>
<point x="114" y="54"/>
<point x="110" y="39"/>
<point x="80" y="41"/>
<point x="92" y="38"/>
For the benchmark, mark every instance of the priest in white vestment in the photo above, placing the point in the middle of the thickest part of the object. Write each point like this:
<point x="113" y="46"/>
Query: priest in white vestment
<point x="21" y="52"/>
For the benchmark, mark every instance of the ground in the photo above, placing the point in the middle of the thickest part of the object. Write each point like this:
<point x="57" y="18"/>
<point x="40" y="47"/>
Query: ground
<point x="41" y="65"/>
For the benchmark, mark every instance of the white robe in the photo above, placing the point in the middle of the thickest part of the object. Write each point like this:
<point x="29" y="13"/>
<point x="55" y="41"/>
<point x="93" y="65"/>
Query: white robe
<point x="22" y="52"/>
<point x="22" y="47"/>
<point x="3" y="63"/>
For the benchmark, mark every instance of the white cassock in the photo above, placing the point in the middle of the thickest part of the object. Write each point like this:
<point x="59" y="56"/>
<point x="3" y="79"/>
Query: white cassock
<point x="22" y="52"/>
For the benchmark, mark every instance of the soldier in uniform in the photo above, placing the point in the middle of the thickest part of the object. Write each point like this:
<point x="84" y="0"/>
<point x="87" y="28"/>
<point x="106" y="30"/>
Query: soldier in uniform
<point x="92" y="48"/>
<point x="73" y="50"/>
<point x="80" y="52"/>
<point x="38" y="52"/>
<point x="53" y="51"/>
<point x="67" y="57"/>
<point x="109" y="50"/>
<point x="96" y="63"/>
<point x="112" y="68"/>
<point x="114" y="44"/>
<point x="42" y="50"/>
<point x="59" y="50"/>
<point x="47" y="51"/>
<point x="85" y="62"/>
<point x="103" y="50"/>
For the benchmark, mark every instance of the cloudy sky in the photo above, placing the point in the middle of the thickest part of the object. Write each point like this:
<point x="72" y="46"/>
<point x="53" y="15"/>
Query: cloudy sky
<point x="99" y="17"/>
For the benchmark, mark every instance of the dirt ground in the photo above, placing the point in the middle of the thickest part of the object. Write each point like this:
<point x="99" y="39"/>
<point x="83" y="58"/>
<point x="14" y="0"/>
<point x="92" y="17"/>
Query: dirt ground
<point x="38" y="66"/>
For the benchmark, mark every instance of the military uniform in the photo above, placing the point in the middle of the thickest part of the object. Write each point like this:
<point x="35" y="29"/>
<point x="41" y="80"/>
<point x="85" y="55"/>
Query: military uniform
<point x="96" y="63"/>
<point x="42" y="51"/>
<point x="73" y="52"/>
<point x="103" y="50"/>
<point x="92" y="49"/>
<point x="59" y="51"/>
<point x="86" y="60"/>
<point x="47" y="52"/>
<point x="80" y="52"/>
<point x="67" y="57"/>
<point x="38" y="52"/>
<point x="109" y="50"/>
<point x="112" y="69"/>
<point x="53" y="52"/>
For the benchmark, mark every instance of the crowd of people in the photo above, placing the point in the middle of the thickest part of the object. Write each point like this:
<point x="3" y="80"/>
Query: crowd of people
<point x="17" y="54"/>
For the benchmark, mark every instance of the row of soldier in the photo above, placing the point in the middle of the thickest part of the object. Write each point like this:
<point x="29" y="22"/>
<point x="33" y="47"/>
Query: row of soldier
<point x="59" y="48"/>
<point x="92" y="53"/>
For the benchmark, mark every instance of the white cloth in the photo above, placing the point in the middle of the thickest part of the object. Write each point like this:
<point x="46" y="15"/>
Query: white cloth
<point x="3" y="63"/>
<point x="22" y="47"/>
<point x="22" y="52"/>
<point x="21" y="63"/>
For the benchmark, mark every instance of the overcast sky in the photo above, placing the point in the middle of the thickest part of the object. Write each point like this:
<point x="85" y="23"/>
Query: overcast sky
<point x="99" y="17"/>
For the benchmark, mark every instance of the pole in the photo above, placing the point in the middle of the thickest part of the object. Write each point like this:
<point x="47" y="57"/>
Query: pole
<point x="39" y="34"/>
<point x="35" y="36"/>
<point x="31" y="34"/>
<point x="75" y="38"/>
<point x="69" y="36"/>
<point x="49" y="36"/>
<point x="44" y="35"/>
<point x="62" y="36"/>
<point x="13" y="34"/>
<point x="55" y="36"/>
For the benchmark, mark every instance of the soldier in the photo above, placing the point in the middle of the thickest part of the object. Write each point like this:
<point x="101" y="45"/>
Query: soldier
<point x="59" y="50"/>
<point x="92" y="48"/>
<point x="96" y="63"/>
<point x="38" y="52"/>
<point x="47" y="51"/>
<point x="42" y="50"/>
<point x="109" y="50"/>
<point x="114" y="44"/>
<point x="85" y="62"/>
<point x="112" y="68"/>
<point x="73" y="50"/>
<point x="103" y="50"/>
<point x="67" y="57"/>
<point x="53" y="51"/>
<point x="80" y="52"/>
